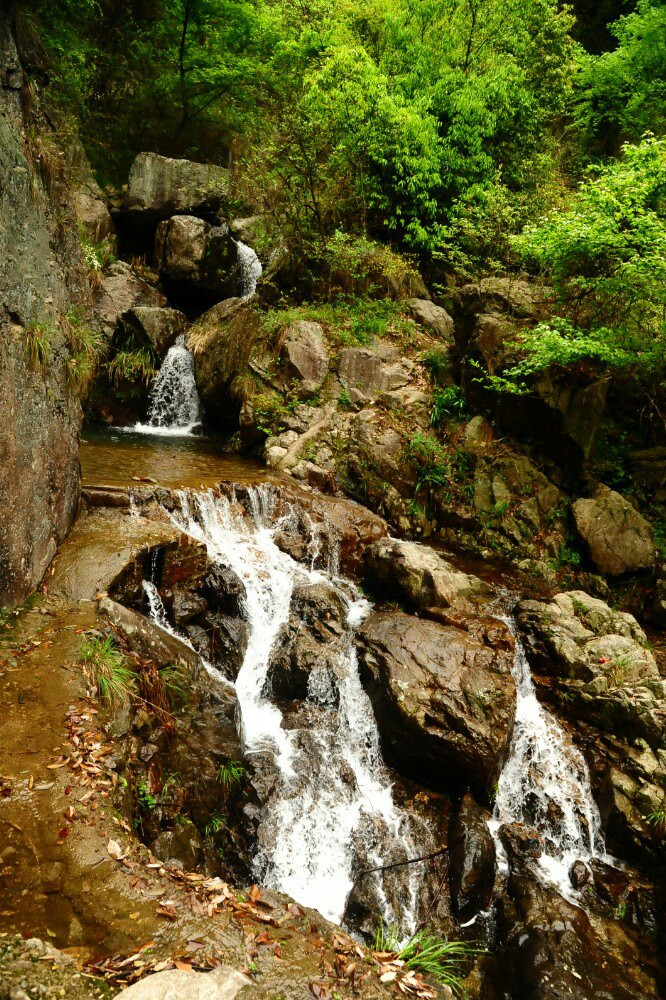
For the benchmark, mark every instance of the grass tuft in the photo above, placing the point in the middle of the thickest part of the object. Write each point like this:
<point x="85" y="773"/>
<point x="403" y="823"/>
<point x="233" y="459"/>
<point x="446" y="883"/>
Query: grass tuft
<point x="107" y="669"/>
<point x="231" y="775"/>
<point x="444" y="961"/>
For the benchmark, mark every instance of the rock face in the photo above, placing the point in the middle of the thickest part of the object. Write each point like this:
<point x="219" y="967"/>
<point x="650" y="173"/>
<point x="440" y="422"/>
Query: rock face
<point x="88" y="202"/>
<point x="305" y="355"/>
<point x="602" y="675"/>
<point x="420" y="576"/>
<point x="365" y="373"/>
<point x="221" y="341"/>
<point x="160" y="186"/>
<point x="472" y="871"/>
<point x="40" y="277"/>
<point x="444" y="699"/>
<point x="618" y="538"/>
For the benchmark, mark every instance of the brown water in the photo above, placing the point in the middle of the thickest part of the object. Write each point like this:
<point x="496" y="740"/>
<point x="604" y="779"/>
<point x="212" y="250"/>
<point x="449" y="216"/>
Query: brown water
<point x="112" y="458"/>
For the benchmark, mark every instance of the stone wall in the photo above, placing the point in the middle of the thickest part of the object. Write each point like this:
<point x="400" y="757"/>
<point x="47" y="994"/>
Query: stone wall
<point x="41" y="275"/>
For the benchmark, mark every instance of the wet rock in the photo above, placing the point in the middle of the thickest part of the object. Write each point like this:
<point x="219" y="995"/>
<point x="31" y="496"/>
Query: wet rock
<point x="222" y="639"/>
<point x="182" y="846"/>
<point x="579" y="874"/>
<point x="310" y="645"/>
<point x="224" y="590"/>
<point x="304" y="354"/>
<point x="419" y="576"/>
<point x="550" y="948"/>
<point x="618" y="538"/>
<point x="160" y="186"/>
<point x="223" y="983"/>
<point x="122" y="290"/>
<point x="472" y="870"/>
<point x="180" y="245"/>
<point x="444" y="700"/>
<point x="520" y="841"/>
<point x="434" y="317"/>
<point x="146" y="639"/>
<point x="155" y="327"/>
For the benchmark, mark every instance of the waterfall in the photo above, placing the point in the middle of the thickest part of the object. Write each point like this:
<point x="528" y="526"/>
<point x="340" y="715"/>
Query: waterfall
<point x="250" y="269"/>
<point x="174" y="407"/>
<point x="545" y="783"/>
<point x="330" y="810"/>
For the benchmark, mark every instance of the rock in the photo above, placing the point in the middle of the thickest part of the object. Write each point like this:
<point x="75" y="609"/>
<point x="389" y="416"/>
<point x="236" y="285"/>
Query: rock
<point x="223" y="983"/>
<point x="434" y="317"/>
<point x="121" y="291"/>
<point x="90" y="208"/>
<point x="305" y="355"/>
<point x="444" y="700"/>
<point x="181" y="846"/>
<point x="472" y="869"/>
<point x="310" y="645"/>
<point x="180" y="246"/>
<point x="361" y="369"/>
<point x="618" y="538"/>
<point x="657" y="610"/>
<point x="160" y="186"/>
<point x="648" y="470"/>
<point x="477" y="434"/>
<point x="579" y="874"/>
<point x="224" y="590"/>
<point x="515" y="296"/>
<point x="155" y="327"/>
<point x="419" y="576"/>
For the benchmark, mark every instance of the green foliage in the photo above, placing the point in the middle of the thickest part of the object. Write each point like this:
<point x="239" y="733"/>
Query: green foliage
<point x="344" y="399"/>
<point x="88" y="348"/>
<point x="136" y="365"/>
<point x="146" y="799"/>
<point x="448" y="402"/>
<point x="447" y="962"/>
<point x="216" y="823"/>
<point x="107" y="669"/>
<point x="430" y="460"/>
<point x="624" y="91"/>
<point x="436" y="361"/>
<point x="231" y="775"/>
<point x="607" y="258"/>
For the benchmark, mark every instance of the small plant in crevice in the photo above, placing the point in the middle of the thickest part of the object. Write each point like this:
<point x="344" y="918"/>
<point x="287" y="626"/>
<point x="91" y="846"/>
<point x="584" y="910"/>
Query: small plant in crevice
<point x="175" y="678"/>
<point x="657" y="819"/>
<point x="450" y="402"/>
<point x="38" y="344"/>
<point x="134" y="365"/>
<point x="216" y="823"/>
<point x="445" y="961"/>
<point x="146" y="798"/>
<point x="344" y="399"/>
<point x="107" y="669"/>
<point x="231" y="775"/>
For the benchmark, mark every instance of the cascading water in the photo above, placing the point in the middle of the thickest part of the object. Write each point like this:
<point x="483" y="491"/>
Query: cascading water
<point x="250" y="269"/>
<point x="330" y="808"/>
<point x="545" y="783"/>
<point x="174" y="407"/>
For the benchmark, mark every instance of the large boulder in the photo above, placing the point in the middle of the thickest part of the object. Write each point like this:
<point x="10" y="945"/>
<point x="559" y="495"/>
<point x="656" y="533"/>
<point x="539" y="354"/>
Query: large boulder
<point x="180" y="246"/>
<point x="155" y="326"/>
<point x="420" y="576"/>
<point x="90" y="207"/>
<point x="160" y="186"/>
<point x="304" y="354"/>
<point x="444" y="698"/>
<point x="618" y="538"/>
<point x="222" y="341"/>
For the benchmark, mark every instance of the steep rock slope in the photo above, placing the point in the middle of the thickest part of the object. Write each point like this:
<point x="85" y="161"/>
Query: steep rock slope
<point x="41" y="274"/>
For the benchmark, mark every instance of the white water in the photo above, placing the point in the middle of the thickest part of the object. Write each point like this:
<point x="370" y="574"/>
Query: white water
<point x="331" y="806"/>
<point x="250" y="269"/>
<point x="545" y="783"/>
<point x="174" y="408"/>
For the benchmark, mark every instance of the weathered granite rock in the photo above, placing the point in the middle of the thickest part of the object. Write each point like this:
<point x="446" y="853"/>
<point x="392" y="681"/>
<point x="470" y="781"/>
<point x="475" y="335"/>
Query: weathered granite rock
<point x="472" y="869"/>
<point x="90" y="207"/>
<point x="122" y="289"/>
<point x="434" y="317"/>
<point x="305" y="355"/>
<point x="180" y="245"/>
<point x="420" y="576"/>
<point x="619" y="539"/>
<point x="444" y="700"/>
<point x="160" y="186"/>
<point x="362" y="370"/>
